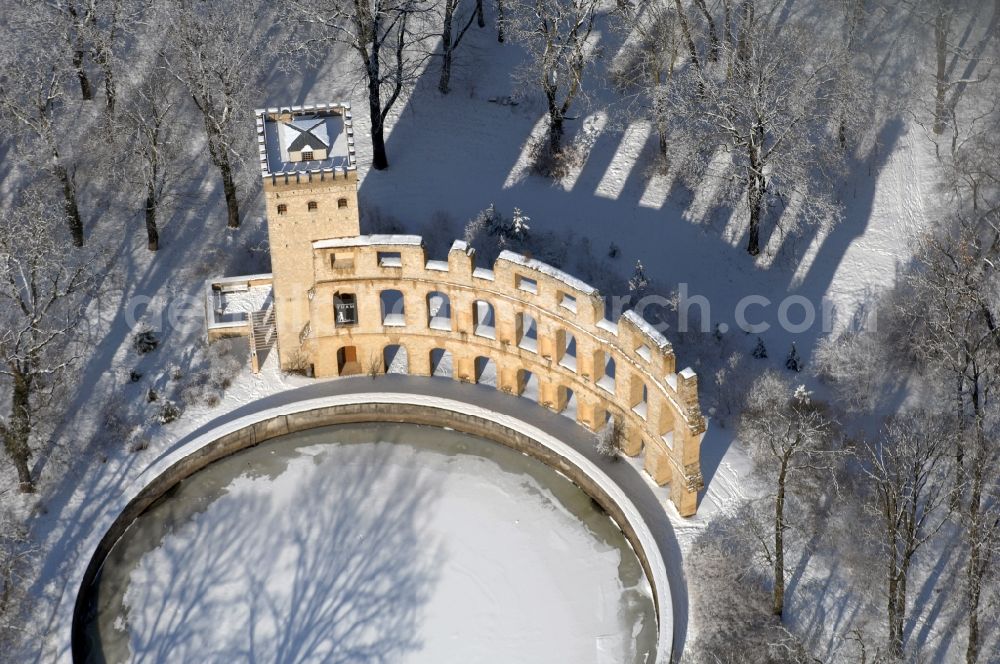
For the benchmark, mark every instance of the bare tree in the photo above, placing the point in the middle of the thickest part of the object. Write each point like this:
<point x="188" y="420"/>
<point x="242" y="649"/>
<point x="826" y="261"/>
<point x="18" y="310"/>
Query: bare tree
<point x="907" y="474"/>
<point x="556" y="35"/>
<point x="790" y="439"/>
<point x="217" y="51"/>
<point x="89" y="31"/>
<point x="32" y="83"/>
<point x="44" y="290"/>
<point x="954" y="311"/>
<point x="451" y="36"/>
<point x="375" y="365"/>
<point x="611" y="439"/>
<point x="646" y="66"/>
<point x="981" y="524"/>
<point x="713" y="34"/>
<point x="18" y="554"/>
<point x="68" y="24"/>
<point x="387" y="36"/>
<point x="951" y="53"/>
<point x="974" y="159"/>
<point x="113" y="25"/>
<point x="688" y="37"/>
<point x="769" y="120"/>
<point x="148" y="145"/>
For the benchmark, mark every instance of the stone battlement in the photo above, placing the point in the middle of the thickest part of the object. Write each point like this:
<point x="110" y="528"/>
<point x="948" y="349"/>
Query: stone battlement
<point x="373" y="303"/>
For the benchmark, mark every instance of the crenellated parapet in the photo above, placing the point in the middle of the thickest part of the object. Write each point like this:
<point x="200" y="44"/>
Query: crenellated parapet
<point x="371" y="303"/>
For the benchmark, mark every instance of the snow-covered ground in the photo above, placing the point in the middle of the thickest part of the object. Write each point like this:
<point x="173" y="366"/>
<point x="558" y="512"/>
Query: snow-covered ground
<point x="416" y="550"/>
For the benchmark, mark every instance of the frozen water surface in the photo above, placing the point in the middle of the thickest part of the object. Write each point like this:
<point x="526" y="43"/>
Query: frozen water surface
<point x="374" y="543"/>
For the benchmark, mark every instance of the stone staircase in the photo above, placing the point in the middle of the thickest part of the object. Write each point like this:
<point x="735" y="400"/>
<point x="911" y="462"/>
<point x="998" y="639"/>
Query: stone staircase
<point x="263" y="334"/>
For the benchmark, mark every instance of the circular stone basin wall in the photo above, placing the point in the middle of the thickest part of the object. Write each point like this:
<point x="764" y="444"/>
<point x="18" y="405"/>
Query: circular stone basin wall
<point x="374" y="542"/>
<point x="215" y="442"/>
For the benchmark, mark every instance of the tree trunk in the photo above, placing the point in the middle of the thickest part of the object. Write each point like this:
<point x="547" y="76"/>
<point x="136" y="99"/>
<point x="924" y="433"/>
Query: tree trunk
<point x="69" y="194"/>
<point x="955" y="498"/>
<point x="941" y="28"/>
<point x="661" y="136"/>
<point x="229" y="187"/>
<point x="81" y="73"/>
<point x="556" y="119"/>
<point x="110" y="91"/>
<point x="555" y="133"/>
<point x="904" y="572"/>
<point x="446" y="46"/>
<point x="445" y="79"/>
<point x="892" y="606"/>
<point x="380" y="160"/>
<point x="152" y="234"/>
<point x="501" y="32"/>
<point x="686" y="30"/>
<point x="16" y="437"/>
<point x="779" y="544"/>
<point x="745" y="40"/>
<point x="713" y="36"/>
<point x="659" y="112"/>
<point x="977" y="557"/>
<point x="755" y="200"/>
<point x="973" y="581"/>
<point x="219" y="153"/>
<point x="727" y="17"/>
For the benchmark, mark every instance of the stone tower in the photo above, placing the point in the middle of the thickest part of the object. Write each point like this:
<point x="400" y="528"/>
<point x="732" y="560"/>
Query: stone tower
<point x="310" y="182"/>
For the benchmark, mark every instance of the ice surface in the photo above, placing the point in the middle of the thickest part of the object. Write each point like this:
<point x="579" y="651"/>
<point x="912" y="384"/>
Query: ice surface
<point x="368" y="548"/>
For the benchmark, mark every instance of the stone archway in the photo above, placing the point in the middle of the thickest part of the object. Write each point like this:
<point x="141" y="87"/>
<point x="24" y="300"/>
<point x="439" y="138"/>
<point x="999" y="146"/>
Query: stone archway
<point x="395" y="359"/>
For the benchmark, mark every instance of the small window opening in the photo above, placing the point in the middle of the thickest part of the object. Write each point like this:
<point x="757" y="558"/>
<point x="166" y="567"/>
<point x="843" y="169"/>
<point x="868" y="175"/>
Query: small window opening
<point x="390" y="259"/>
<point x="282" y="208"/>
<point x="312" y="206"/>
<point x="342" y="261"/>
<point x="345" y="307"/>
<point x="341" y="202"/>
<point x="307" y="155"/>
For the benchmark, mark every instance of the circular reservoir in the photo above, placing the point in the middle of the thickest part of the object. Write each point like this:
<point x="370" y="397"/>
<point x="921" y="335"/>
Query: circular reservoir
<point x="370" y="543"/>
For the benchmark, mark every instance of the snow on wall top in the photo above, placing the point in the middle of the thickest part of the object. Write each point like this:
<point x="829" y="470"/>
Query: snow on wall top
<point x="368" y="241"/>
<point x="330" y="123"/>
<point x="548" y="270"/>
<point x="644" y="326"/>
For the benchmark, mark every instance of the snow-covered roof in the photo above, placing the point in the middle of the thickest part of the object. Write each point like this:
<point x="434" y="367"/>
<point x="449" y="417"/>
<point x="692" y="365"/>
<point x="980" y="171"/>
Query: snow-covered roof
<point x="305" y="132"/>
<point x="608" y="326"/>
<point x="646" y="328"/>
<point x="312" y="127"/>
<point x="548" y="270"/>
<point x="368" y="241"/>
<point x="483" y="273"/>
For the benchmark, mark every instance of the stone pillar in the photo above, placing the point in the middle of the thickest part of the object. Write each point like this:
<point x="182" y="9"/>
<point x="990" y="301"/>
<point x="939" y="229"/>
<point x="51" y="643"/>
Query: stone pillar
<point x="632" y="445"/>
<point x="689" y="429"/>
<point x="550" y="396"/>
<point x="418" y="356"/>
<point x="687" y="480"/>
<point x="465" y="367"/>
<point x="657" y="463"/>
<point x="507" y="379"/>
<point x="586" y="412"/>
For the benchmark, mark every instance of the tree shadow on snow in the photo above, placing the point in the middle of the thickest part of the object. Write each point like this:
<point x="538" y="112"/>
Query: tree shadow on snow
<point x="341" y="577"/>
